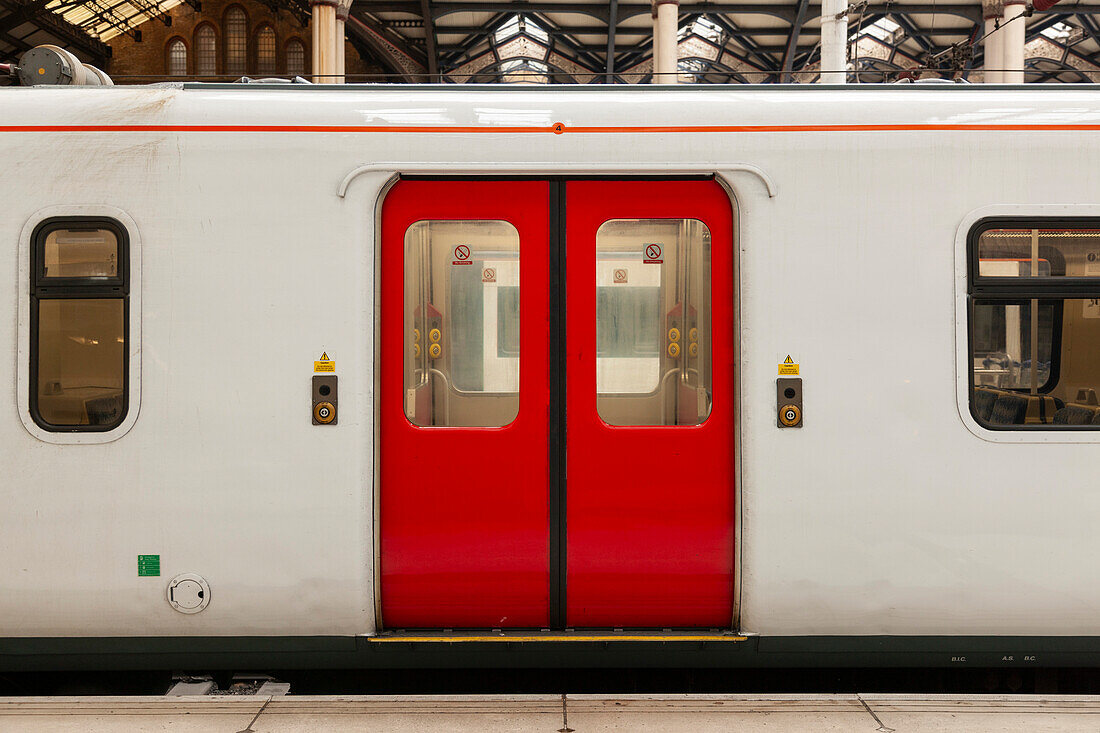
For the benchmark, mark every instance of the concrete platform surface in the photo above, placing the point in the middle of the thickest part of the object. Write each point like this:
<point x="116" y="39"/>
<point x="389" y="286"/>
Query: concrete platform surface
<point x="873" y="713"/>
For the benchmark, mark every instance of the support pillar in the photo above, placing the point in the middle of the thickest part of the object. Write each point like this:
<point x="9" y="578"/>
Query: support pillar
<point x="323" y="27"/>
<point x="343" y="7"/>
<point x="656" y="47"/>
<point x="834" y="42"/>
<point x="993" y="11"/>
<point x="668" y="26"/>
<point x="340" y="46"/>
<point x="1012" y="48"/>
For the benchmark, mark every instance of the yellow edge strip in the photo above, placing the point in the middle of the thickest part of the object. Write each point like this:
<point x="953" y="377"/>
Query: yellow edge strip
<point x="552" y="637"/>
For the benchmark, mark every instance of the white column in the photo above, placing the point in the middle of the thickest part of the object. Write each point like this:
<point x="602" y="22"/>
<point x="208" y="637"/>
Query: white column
<point x="323" y="26"/>
<point x="339" y="50"/>
<point x="834" y="42"/>
<point x="668" y="26"/>
<point x="1012" y="45"/>
<point x="343" y="7"/>
<point x="993" y="13"/>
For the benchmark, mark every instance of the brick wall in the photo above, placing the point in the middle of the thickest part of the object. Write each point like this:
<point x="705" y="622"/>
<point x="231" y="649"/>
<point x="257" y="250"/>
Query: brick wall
<point x="141" y="62"/>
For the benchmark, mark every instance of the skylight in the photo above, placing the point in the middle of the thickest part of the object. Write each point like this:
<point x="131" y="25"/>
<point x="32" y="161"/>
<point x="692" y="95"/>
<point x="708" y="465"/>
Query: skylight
<point x="883" y="29"/>
<point x="705" y="28"/>
<point x="524" y="71"/>
<point x="521" y="25"/>
<point x="1062" y="32"/>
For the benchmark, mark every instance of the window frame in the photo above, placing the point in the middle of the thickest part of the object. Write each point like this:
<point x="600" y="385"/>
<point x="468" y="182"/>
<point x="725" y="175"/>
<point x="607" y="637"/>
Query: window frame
<point x="1008" y="290"/>
<point x="447" y="320"/>
<point x="168" y="47"/>
<point x="660" y="349"/>
<point x="246" y="37"/>
<point x="260" y="29"/>
<point x="286" y="56"/>
<point x="125" y="228"/>
<point x="200" y="30"/>
<point x="76" y="288"/>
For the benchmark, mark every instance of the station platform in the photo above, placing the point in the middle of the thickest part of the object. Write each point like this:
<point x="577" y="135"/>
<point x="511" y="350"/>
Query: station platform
<point x="874" y="713"/>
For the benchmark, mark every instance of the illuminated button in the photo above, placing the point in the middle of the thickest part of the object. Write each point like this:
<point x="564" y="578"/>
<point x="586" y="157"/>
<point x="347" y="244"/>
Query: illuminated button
<point x="416" y="349"/>
<point x="324" y="412"/>
<point x="435" y="350"/>
<point x="434" y="335"/>
<point x="674" y="349"/>
<point x="693" y="334"/>
<point x="693" y="350"/>
<point x="416" y="335"/>
<point x="673" y="334"/>
<point x="789" y="415"/>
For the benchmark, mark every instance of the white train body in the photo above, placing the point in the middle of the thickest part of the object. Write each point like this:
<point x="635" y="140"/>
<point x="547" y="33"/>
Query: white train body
<point x="891" y="512"/>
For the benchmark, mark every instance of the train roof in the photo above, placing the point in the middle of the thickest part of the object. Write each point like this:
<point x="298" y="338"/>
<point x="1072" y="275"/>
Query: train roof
<point x="559" y="108"/>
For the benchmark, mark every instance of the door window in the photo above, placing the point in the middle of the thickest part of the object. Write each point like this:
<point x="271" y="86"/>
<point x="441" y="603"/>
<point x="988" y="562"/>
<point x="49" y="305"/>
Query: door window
<point x="653" y="315"/>
<point x="461" y="323"/>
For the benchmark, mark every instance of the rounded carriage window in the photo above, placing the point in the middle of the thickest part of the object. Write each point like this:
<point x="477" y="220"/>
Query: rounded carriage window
<point x="79" y="253"/>
<point x="79" y="325"/>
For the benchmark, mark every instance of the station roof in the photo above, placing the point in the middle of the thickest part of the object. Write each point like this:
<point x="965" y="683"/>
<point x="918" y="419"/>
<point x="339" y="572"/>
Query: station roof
<point x="568" y="41"/>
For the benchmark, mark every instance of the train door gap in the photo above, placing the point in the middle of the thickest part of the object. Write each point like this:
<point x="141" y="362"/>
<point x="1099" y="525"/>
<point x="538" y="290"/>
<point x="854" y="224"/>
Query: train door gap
<point x="556" y="445"/>
<point x="590" y="486"/>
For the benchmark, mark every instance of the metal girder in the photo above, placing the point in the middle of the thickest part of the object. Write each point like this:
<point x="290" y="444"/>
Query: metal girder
<point x="913" y="32"/>
<point x="106" y="12"/>
<point x="792" y="39"/>
<point x="19" y="43"/>
<point x="867" y="20"/>
<point x="27" y="12"/>
<point x="429" y="39"/>
<point x="378" y="50"/>
<point x="597" y="30"/>
<point x="477" y="36"/>
<point x="592" y="61"/>
<point x="612" y="22"/>
<point x="367" y="33"/>
<point x="69" y="34"/>
<point x="152" y="9"/>
<point x="629" y="10"/>
<point x="733" y="32"/>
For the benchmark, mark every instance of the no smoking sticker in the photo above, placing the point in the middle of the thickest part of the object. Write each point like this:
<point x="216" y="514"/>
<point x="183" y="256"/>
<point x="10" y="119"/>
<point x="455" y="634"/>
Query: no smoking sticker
<point x="462" y="255"/>
<point x="619" y="276"/>
<point x="652" y="254"/>
<point x="489" y="275"/>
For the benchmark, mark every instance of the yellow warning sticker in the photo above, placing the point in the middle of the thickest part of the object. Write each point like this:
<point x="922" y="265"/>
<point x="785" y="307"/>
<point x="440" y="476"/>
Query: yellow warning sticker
<point x="325" y="364"/>
<point x="788" y="367"/>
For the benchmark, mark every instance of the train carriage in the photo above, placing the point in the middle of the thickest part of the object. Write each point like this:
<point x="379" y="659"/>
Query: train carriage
<point x="439" y="375"/>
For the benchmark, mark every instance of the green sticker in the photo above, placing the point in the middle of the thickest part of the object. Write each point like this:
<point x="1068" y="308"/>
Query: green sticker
<point x="148" y="566"/>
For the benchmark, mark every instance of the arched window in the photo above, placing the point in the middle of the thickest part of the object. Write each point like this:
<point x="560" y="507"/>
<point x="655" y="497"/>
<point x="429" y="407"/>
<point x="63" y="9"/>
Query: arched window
<point x="206" y="51"/>
<point x="177" y="57"/>
<point x="265" y="51"/>
<point x="295" y="58"/>
<point x="236" y="41"/>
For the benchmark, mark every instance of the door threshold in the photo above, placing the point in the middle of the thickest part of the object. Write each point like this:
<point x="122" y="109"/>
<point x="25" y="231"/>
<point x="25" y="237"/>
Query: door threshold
<point x="586" y="635"/>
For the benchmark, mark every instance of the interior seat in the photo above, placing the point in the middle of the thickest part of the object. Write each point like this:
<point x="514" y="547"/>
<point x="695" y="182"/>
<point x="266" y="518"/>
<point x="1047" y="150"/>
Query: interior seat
<point x="984" y="400"/>
<point x="1009" y="409"/>
<point x="1075" y="415"/>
